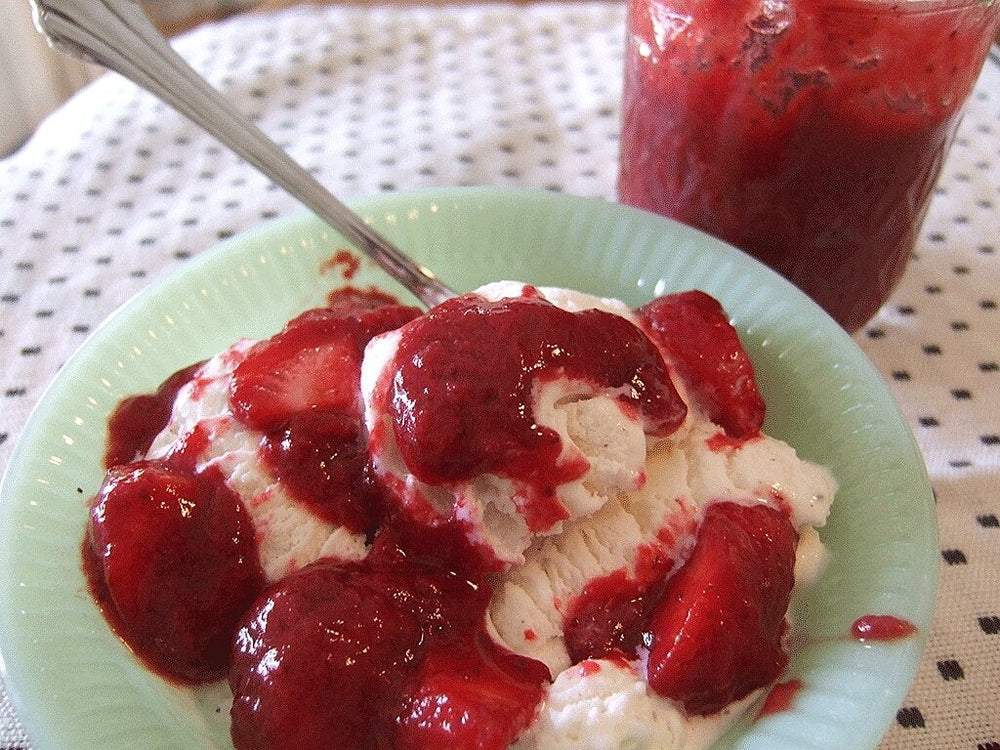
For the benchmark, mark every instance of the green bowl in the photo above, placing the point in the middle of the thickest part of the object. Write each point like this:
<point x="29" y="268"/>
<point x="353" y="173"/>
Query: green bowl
<point x="74" y="683"/>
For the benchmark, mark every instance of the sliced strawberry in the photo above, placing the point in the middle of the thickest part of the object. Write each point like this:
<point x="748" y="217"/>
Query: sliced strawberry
<point x="705" y="351"/>
<point x="470" y="696"/>
<point x="716" y="635"/>
<point x="316" y="655"/>
<point x="313" y="364"/>
<point x="381" y="653"/>
<point x="175" y="564"/>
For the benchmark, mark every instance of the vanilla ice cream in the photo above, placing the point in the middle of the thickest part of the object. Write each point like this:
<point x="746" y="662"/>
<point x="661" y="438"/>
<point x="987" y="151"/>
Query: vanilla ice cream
<point x="628" y="493"/>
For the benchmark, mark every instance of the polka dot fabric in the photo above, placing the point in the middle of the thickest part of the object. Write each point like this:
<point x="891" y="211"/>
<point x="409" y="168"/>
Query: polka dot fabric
<point x="115" y="190"/>
<point x="937" y="342"/>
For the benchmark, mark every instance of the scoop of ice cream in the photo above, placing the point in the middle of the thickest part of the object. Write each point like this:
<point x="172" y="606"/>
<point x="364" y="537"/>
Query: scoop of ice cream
<point x="585" y="422"/>
<point x="763" y="469"/>
<point x="559" y="436"/>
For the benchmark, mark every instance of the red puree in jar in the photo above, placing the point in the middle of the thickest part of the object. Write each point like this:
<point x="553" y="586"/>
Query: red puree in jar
<point x="807" y="132"/>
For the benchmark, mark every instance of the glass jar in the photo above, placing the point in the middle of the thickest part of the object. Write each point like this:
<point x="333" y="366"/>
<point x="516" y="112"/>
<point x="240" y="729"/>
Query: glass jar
<point x="808" y="133"/>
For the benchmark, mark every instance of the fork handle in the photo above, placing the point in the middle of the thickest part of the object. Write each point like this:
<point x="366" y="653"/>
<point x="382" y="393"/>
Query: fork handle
<point x="118" y="35"/>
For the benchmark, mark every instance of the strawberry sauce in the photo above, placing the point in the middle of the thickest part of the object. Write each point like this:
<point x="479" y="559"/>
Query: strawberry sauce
<point x="881" y="628"/>
<point x="611" y="615"/>
<point x="781" y="698"/>
<point x="300" y="388"/>
<point x="137" y="420"/>
<point x="806" y="133"/>
<point x="462" y="402"/>
<point x="171" y="560"/>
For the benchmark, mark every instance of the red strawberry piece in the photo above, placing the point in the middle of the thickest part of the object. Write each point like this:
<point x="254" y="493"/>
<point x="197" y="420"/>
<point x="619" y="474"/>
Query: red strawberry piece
<point x="313" y="364"/>
<point x="176" y="566"/>
<point x="717" y="633"/>
<point x="470" y="696"/>
<point x="705" y="351"/>
<point x="302" y="388"/>
<point x="382" y="653"/>
<point x="318" y="654"/>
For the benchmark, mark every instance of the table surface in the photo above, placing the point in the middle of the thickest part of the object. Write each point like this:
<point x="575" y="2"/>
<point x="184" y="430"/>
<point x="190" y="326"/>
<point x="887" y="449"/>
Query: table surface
<point x="115" y="191"/>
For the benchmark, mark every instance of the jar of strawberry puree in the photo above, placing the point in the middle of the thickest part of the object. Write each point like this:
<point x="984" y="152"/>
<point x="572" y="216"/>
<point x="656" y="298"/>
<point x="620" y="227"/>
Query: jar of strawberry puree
<point x="809" y="133"/>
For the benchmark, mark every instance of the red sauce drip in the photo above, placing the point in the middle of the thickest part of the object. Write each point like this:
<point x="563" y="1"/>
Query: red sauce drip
<point x="320" y="458"/>
<point x="348" y="262"/>
<point x="589" y="667"/>
<point x="881" y="628"/>
<point x="451" y="356"/>
<point x="720" y="442"/>
<point x="781" y="697"/>
<point x="351" y="298"/>
<point x="171" y="560"/>
<point x="387" y="652"/>
<point x="611" y="614"/>
<point x="137" y="420"/>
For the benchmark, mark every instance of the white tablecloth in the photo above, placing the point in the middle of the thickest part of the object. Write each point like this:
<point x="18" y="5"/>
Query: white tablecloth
<point x="115" y="190"/>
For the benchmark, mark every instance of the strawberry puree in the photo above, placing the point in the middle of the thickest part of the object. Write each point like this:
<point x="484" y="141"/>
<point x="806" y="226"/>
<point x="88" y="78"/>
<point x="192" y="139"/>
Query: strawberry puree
<point x="610" y="616"/>
<point x="137" y="420"/>
<point x="385" y="653"/>
<point x="781" y="698"/>
<point x="346" y="261"/>
<point x="808" y="133"/>
<point x="170" y="557"/>
<point x="300" y="388"/>
<point x="353" y="298"/>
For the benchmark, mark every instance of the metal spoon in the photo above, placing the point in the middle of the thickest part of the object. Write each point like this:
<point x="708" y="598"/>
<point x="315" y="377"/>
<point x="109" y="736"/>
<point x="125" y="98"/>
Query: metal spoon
<point x="118" y="35"/>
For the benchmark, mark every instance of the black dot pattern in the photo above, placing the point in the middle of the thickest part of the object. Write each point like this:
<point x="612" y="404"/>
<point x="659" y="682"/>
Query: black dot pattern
<point x="938" y="343"/>
<point x="115" y="190"/>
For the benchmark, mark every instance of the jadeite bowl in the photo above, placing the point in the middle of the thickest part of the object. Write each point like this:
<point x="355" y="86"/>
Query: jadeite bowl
<point x="76" y="686"/>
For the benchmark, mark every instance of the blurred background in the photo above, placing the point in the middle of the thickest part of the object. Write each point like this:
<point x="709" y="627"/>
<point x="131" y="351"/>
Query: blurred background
<point x="34" y="79"/>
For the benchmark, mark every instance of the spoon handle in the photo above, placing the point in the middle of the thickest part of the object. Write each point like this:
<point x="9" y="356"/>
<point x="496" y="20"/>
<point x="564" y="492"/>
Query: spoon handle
<point x="118" y="35"/>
